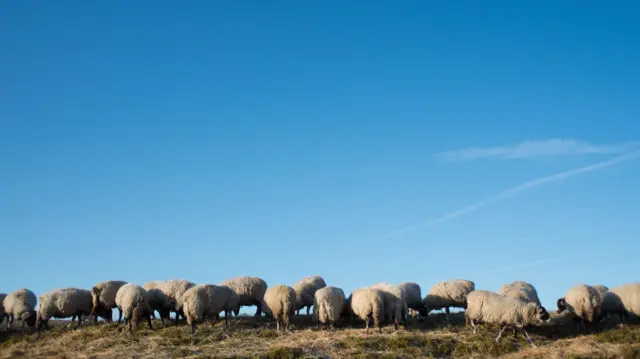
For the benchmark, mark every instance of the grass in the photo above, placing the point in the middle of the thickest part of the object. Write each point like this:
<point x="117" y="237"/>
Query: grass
<point x="256" y="338"/>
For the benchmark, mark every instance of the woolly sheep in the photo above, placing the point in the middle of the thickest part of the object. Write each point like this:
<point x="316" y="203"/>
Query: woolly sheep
<point x="21" y="304"/>
<point x="174" y="289"/>
<point x="159" y="300"/>
<point x="207" y="300"/>
<point x="488" y="307"/>
<point x="250" y="291"/>
<point x="133" y="301"/>
<point x="600" y="288"/>
<point x="63" y="303"/>
<point x="3" y="313"/>
<point x="622" y="300"/>
<point x="328" y="305"/>
<point x="104" y="299"/>
<point x="367" y="304"/>
<point x="395" y="303"/>
<point x="279" y="302"/>
<point x="413" y="295"/>
<point x="451" y="293"/>
<point x="520" y="290"/>
<point x="584" y="302"/>
<point x="305" y="288"/>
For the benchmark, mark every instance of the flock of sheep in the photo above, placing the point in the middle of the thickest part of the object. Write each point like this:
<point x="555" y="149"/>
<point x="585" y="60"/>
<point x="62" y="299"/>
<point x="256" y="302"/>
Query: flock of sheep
<point x="516" y="305"/>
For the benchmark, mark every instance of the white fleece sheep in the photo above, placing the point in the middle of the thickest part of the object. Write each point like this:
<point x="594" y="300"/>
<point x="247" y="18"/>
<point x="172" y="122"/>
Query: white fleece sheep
<point x="20" y="304"/>
<point x="622" y="300"/>
<point x="448" y="294"/>
<point x="305" y="289"/>
<point x="368" y="305"/>
<point x="104" y="299"/>
<point x="63" y="303"/>
<point x="413" y="295"/>
<point x="279" y="302"/>
<point x="520" y="290"/>
<point x="601" y="288"/>
<point x="159" y="300"/>
<point x="174" y="289"/>
<point x="488" y="307"/>
<point x="584" y="302"/>
<point x="206" y="301"/>
<point x="250" y="291"/>
<point x="133" y="301"/>
<point x="395" y="303"/>
<point x="328" y="305"/>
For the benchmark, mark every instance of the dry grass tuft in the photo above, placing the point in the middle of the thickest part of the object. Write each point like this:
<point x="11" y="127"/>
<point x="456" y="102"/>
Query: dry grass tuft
<point x="256" y="338"/>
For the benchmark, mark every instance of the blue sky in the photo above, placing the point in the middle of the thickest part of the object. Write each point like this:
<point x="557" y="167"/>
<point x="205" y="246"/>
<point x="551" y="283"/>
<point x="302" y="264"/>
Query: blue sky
<point x="362" y="141"/>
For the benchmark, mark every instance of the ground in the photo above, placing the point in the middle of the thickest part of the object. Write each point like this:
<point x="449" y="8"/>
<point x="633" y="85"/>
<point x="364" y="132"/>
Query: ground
<point x="251" y="338"/>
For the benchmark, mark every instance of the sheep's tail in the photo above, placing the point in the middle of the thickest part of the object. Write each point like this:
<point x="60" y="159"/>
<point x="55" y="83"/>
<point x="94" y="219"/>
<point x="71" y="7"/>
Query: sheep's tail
<point x="377" y="311"/>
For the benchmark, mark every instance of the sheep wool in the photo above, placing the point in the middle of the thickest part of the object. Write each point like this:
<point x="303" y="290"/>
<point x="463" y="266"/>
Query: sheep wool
<point x="250" y="291"/>
<point x="305" y="290"/>
<point x="583" y="301"/>
<point x="279" y="302"/>
<point x="207" y="300"/>
<point x="3" y="312"/>
<point x="104" y="299"/>
<point x="413" y="295"/>
<point x="395" y="304"/>
<point x="20" y="304"/>
<point x="451" y="293"/>
<point x="622" y="300"/>
<point x="175" y="289"/>
<point x="63" y="303"/>
<point x="133" y="301"/>
<point x="366" y="303"/>
<point x="520" y="290"/>
<point x="488" y="307"/>
<point x="328" y="305"/>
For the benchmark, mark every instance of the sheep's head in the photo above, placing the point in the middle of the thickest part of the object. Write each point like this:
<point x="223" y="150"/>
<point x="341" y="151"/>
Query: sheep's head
<point x="29" y="318"/>
<point x="562" y="305"/>
<point x="422" y="310"/>
<point x="543" y="315"/>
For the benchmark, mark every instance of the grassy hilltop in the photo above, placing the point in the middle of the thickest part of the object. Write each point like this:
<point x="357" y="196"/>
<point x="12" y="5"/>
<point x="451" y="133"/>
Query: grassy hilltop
<point x="251" y="338"/>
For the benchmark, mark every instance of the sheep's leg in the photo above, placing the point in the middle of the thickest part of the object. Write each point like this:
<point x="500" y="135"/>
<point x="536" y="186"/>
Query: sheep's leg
<point x="130" y="324"/>
<point x="466" y="320"/>
<point x="366" y="325"/>
<point x="149" y="322"/>
<point x="226" y="319"/>
<point x="473" y="325"/>
<point x="515" y="333"/>
<point x="447" y="315"/>
<point x="277" y="324"/>
<point x="526" y="335"/>
<point x="119" y="315"/>
<point x="9" y="321"/>
<point x="79" y="319"/>
<point x="258" y="310"/>
<point x="500" y="334"/>
<point x="308" y="309"/>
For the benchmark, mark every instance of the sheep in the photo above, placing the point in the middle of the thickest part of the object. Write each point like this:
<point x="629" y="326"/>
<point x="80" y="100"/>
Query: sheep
<point x="520" y="290"/>
<point x="367" y="304"/>
<point x="395" y="304"/>
<point x="159" y="300"/>
<point x="451" y="293"/>
<point x="600" y="288"/>
<point x="104" y="299"/>
<point x="205" y="300"/>
<point x="21" y="304"/>
<point x="173" y="289"/>
<point x="488" y="307"/>
<point x="305" y="289"/>
<point x="63" y="303"/>
<point x="413" y="296"/>
<point x="328" y="305"/>
<point x="133" y="301"/>
<point x="622" y="300"/>
<point x="3" y="313"/>
<point x="279" y="302"/>
<point x="584" y="302"/>
<point x="250" y="291"/>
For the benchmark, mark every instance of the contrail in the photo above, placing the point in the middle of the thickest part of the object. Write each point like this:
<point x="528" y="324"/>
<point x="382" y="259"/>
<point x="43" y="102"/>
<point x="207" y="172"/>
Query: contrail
<point x="526" y="265"/>
<point x="512" y="192"/>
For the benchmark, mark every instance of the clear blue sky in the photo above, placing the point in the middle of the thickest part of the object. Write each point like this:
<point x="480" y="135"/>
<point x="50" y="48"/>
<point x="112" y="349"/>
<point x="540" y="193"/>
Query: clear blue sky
<point x="203" y="140"/>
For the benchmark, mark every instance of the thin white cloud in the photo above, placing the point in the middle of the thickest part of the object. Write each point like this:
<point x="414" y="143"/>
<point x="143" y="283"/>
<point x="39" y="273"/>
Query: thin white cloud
<point x="511" y="192"/>
<point x="519" y="266"/>
<point x="536" y="148"/>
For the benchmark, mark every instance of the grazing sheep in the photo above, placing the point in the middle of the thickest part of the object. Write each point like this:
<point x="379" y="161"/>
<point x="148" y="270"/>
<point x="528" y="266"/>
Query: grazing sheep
<point x="622" y="300"/>
<point x="159" y="300"/>
<point x="488" y="307"/>
<point x="133" y="301"/>
<point x="413" y="296"/>
<point x="205" y="301"/>
<point x="173" y="289"/>
<point x="520" y="290"/>
<point x="305" y="290"/>
<point x="63" y="303"/>
<point x="451" y="293"/>
<point x="395" y="304"/>
<point x="328" y="305"/>
<point x="104" y="299"/>
<point x="3" y="313"/>
<point x="584" y="302"/>
<point x="600" y="288"/>
<point x="279" y="302"/>
<point x="368" y="305"/>
<point x="21" y="304"/>
<point x="250" y="291"/>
